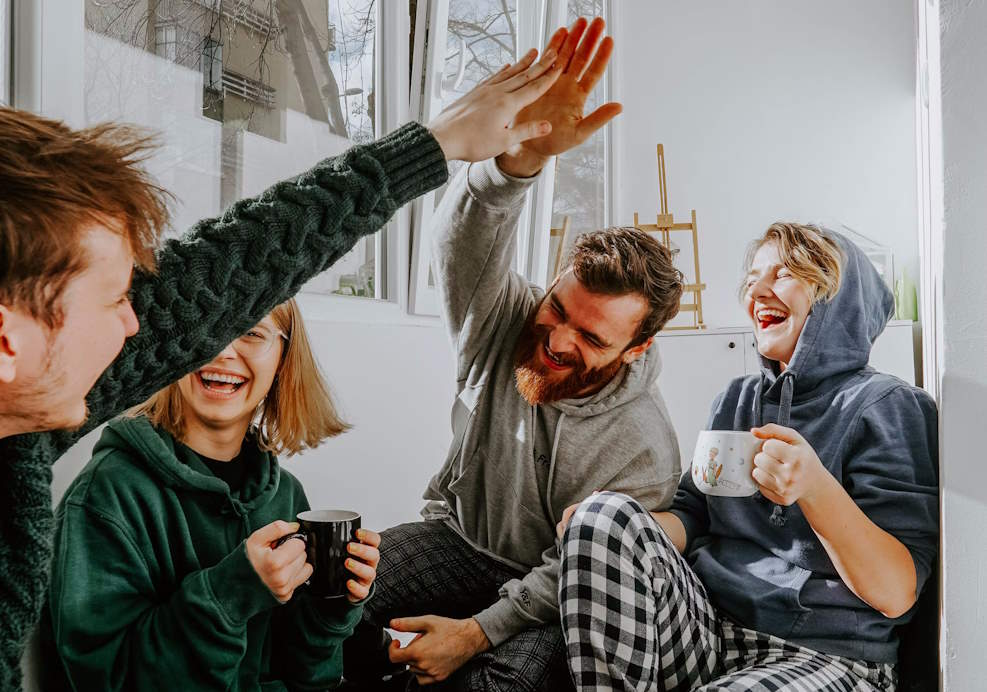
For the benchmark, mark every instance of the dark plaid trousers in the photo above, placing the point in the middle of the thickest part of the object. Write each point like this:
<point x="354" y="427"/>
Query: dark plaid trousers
<point x="427" y="569"/>
<point x="636" y="617"/>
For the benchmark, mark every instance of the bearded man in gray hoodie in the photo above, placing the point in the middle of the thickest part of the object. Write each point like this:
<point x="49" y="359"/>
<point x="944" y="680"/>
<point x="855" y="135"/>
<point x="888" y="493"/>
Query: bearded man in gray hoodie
<point x="557" y="397"/>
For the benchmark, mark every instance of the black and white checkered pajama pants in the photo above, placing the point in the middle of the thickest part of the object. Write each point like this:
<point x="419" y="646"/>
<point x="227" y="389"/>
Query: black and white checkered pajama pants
<point x="636" y="617"/>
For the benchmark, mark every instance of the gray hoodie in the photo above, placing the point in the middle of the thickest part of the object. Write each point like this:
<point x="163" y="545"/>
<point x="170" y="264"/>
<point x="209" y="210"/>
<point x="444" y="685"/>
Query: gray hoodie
<point x="513" y="468"/>
<point x="761" y="563"/>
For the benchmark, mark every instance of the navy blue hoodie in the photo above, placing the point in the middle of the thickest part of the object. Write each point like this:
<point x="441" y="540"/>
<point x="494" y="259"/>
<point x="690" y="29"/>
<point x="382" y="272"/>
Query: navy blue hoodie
<point x="761" y="563"/>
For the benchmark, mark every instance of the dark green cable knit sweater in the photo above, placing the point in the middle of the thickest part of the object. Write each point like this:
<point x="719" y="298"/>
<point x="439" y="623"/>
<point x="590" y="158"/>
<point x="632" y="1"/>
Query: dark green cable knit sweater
<point x="212" y="284"/>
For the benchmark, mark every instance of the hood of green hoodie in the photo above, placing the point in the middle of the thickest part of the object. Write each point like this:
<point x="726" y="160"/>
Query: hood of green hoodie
<point x="178" y="466"/>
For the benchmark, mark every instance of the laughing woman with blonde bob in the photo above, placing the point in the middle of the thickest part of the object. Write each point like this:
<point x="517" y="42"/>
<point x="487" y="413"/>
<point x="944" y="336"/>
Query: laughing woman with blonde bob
<point x="167" y="570"/>
<point x="803" y="585"/>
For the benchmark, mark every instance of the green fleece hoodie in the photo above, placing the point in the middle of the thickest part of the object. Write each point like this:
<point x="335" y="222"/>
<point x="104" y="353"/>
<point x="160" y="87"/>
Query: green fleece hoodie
<point x="151" y="586"/>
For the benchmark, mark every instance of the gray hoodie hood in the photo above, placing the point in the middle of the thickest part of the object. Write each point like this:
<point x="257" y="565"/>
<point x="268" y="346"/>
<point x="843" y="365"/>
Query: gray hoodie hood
<point x="630" y="382"/>
<point x="837" y="337"/>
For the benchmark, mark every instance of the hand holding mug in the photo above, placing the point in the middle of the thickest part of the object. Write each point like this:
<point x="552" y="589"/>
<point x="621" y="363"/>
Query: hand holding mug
<point x="363" y="564"/>
<point x="282" y="567"/>
<point x="787" y="469"/>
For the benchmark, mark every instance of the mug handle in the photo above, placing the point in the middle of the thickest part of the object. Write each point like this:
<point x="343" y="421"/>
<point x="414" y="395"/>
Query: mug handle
<point x="287" y="537"/>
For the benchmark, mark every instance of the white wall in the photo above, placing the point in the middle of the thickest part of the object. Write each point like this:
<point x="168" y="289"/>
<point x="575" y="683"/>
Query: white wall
<point x="964" y="386"/>
<point x="394" y="384"/>
<point x="768" y="109"/>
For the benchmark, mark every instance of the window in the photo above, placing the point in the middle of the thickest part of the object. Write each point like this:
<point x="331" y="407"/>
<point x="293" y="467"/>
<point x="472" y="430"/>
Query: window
<point x="242" y="92"/>
<point x="463" y="43"/>
<point x="166" y="42"/>
<point x="477" y="38"/>
<point x="352" y="26"/>
<point x="581" y="196"/>
<point x="211" y="63"/>
<point x="5" y="66"/>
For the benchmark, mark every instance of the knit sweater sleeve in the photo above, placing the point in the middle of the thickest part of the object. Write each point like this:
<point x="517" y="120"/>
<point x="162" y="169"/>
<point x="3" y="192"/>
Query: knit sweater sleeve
<point x="225" y="274"/>
<point x="212" y="284"/>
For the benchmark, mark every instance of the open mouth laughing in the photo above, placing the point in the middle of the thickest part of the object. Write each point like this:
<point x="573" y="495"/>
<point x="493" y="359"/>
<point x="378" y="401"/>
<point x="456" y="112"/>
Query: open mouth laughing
<point x="220" y="384"/>
<point x="555" y="361"/>
<point x="767" y="318"/>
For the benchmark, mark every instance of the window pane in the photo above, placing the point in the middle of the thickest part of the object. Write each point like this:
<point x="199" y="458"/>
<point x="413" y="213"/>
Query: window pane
<point x="243" y="93"/>
<point x="480" y="39"/>
<point x="5" y="16"/>
<point x="581" y="174"/>
<point x="352" y="27"/>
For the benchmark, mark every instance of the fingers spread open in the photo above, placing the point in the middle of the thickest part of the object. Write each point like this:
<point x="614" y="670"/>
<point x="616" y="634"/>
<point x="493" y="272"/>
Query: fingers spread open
<point x="597" y="119"/>
<point x="571" y="41"/>
<point x="517" y="68"/>
<point x="596" y="69"/>
<point x="537" y="70"/>
<point x="587" y="47"/>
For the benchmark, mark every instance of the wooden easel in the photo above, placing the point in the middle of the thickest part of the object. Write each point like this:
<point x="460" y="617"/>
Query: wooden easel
<point x="563" y="235"/>
<point x="663" y="227"/>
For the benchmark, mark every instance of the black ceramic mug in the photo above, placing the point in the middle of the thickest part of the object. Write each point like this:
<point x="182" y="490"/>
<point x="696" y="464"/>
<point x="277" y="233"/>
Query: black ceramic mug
<point x="326" y="533"/>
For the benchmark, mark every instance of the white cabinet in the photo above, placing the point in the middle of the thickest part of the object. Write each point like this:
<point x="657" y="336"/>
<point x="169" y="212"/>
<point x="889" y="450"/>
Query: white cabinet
<point x="694" y="369"/>
<point x="696" y="366"/>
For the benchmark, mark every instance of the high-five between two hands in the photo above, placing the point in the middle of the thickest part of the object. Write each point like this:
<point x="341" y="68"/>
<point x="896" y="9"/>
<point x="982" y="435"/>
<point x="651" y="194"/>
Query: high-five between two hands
<point x="524" y="114"/>
<point x="530" y="111"/>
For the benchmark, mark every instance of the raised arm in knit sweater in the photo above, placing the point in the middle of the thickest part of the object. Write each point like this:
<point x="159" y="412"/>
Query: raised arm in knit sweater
<point x="212" y="284"/>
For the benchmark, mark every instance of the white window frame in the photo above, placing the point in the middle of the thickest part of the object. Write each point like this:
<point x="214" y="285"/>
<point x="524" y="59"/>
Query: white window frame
<point x="539" y="218"/>
<point x="6" y="51"/>
<point x="536" y="20"/>
<point x="426" y="100"/>
<point x="60" y="94"/>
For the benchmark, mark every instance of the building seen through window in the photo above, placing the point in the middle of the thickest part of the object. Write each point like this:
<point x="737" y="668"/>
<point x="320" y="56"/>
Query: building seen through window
<point x="243" y="93"/>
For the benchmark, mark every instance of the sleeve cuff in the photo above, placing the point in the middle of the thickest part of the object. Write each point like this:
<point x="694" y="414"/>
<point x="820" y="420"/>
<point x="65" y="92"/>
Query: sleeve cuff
<point x="691" y="526"/>
<point x="332" y="609"/>
<point x="413" y="162"/>
<point x="491" y="186"/>
<point x="237" y="589"/>
<point x="500" y="622"/>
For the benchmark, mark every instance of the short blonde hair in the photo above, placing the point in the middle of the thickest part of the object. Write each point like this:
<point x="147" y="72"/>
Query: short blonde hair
<point x="298" y="412"/>
<point x="807" y="252"/>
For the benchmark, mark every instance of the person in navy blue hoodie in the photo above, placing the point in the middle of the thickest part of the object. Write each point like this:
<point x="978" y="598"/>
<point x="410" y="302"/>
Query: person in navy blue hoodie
<point x="802" y="585"/>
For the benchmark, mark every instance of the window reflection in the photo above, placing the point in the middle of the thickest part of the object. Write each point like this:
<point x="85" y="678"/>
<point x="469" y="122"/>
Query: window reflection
<point x="243" y="92"/>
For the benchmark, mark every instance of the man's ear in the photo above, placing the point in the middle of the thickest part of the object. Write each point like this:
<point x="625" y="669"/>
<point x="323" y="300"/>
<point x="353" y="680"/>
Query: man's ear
<point x="632" y="354"/>
<point x="8" y="347"/>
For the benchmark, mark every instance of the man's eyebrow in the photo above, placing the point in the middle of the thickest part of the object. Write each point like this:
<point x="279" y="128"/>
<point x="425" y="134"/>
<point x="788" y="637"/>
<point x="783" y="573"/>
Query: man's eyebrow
<point x="557" y="304"/>
<point x="603" y="343"/>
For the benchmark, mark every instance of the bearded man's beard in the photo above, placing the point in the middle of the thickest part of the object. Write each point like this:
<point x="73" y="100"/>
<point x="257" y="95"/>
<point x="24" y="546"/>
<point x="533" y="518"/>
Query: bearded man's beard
<point x="534" y="380"/>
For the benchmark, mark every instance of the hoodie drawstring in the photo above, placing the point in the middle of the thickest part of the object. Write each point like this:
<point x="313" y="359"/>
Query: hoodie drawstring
<point x="778" y="513"/>
<point x="551" y="463"/>
<point x="787" y="393"/>
<point x="758" y="393"/>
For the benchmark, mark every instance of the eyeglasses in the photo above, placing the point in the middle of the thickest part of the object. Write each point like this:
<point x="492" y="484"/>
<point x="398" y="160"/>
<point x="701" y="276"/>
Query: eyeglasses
<point x="258" y="341"/>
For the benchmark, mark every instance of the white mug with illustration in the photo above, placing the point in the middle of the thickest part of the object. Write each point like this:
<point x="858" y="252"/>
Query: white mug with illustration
<point x="724" y="461"/>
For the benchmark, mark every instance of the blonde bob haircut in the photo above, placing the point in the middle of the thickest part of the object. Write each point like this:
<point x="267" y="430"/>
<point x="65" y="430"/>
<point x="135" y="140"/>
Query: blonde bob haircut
<point x="807" y="252"/>
<point x="298" y="412"/>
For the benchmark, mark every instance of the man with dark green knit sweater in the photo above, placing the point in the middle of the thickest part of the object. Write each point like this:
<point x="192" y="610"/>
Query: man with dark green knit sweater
<point x="76" y="215"/>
